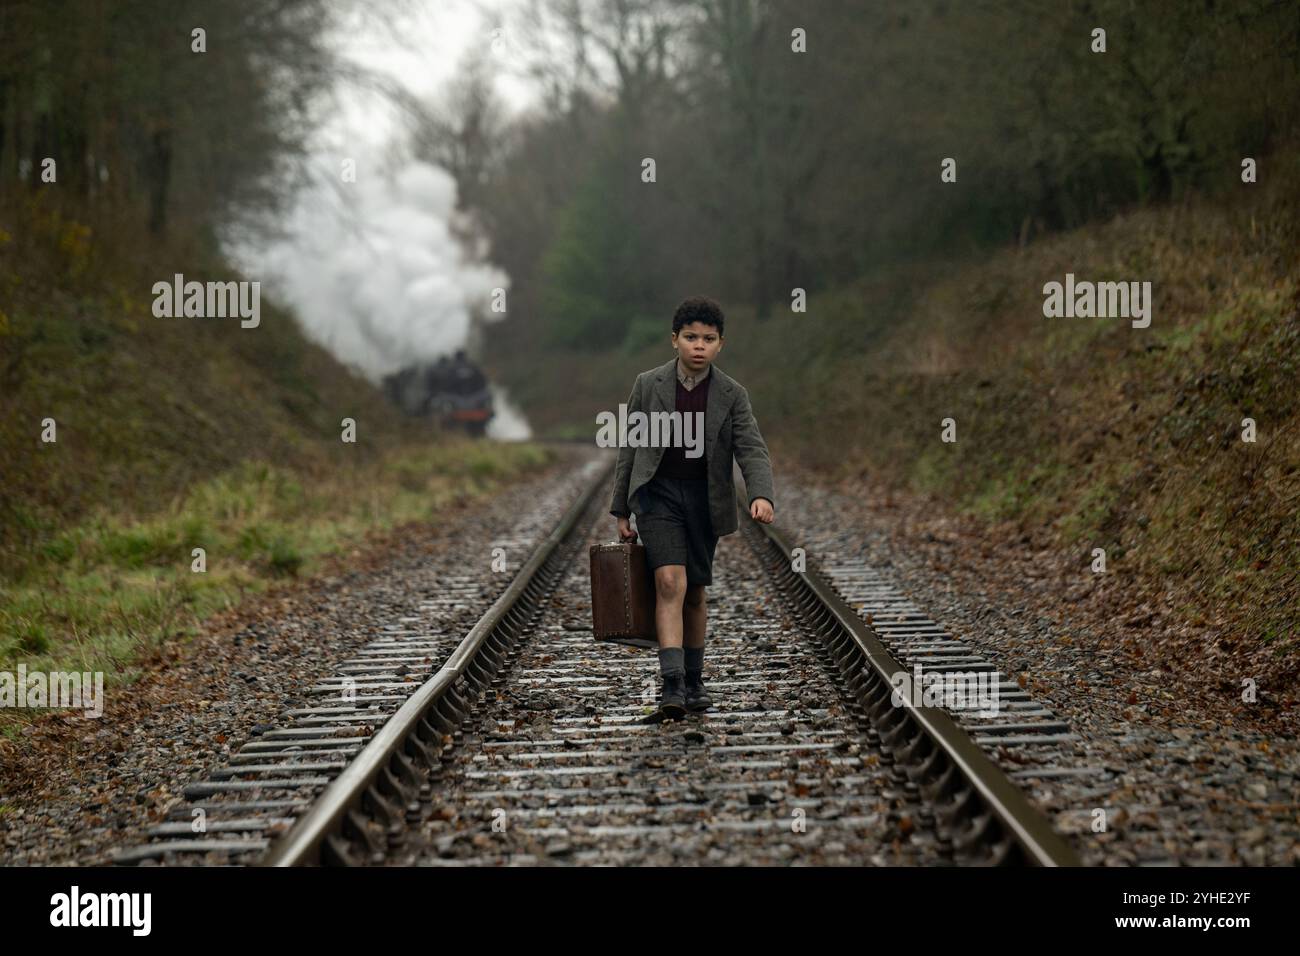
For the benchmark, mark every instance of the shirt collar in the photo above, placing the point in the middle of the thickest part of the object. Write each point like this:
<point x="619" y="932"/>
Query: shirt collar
<point x="690" y="381"/>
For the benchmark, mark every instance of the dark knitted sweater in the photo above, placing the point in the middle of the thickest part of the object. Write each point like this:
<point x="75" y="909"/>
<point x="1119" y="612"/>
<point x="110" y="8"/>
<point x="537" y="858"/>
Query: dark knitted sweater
<point x="674" y="463"/>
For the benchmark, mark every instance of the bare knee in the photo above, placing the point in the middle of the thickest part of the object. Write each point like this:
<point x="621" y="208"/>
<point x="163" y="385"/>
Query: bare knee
<point x="670" y="583"/>
<point x="695" y="595"/>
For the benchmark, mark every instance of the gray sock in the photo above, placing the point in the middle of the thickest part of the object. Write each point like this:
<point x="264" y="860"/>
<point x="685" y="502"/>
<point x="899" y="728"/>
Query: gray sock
<point x="694" y="657"/>
<point x="670" y="661"/>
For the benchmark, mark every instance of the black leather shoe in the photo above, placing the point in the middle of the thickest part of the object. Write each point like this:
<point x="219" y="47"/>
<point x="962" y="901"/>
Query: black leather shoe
<point x="697" y="698"/>
<point x="672" y="700"/>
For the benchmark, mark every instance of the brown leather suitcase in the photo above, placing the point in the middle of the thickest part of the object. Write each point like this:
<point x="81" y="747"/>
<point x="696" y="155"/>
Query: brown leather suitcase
<point x="622" y="595"/>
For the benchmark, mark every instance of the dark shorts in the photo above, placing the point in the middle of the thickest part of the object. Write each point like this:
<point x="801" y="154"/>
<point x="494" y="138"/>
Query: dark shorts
<point x="672" y="518"/>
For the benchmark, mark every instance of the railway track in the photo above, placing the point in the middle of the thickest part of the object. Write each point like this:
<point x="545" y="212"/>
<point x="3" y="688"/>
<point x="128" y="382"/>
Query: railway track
<point x="237" y="810"/>
<point x="529" y="743"/>
<point x="1030" y="742"/>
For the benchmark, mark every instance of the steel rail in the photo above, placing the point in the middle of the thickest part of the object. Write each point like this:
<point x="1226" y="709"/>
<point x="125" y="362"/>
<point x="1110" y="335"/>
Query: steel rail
<point x="924" y="736"/>
<point x="385" y="774"/>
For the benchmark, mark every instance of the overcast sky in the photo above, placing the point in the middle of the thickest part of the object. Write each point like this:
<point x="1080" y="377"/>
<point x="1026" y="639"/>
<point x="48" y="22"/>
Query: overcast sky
<point x="426" y="44"/>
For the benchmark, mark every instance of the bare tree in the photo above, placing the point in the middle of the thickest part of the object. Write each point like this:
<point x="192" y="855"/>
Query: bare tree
<point x="464" y="131"/>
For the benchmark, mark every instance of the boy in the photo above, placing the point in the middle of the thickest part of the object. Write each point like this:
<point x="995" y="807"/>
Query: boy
<point x="684" y="500"/>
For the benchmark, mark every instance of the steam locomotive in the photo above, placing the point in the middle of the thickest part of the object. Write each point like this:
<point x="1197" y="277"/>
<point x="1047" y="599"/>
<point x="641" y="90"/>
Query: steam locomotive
<point x="452" y="390"/>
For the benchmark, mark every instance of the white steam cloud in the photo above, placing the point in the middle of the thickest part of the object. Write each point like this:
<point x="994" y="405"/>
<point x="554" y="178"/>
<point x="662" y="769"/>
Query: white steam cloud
<point x="373" y="270"/>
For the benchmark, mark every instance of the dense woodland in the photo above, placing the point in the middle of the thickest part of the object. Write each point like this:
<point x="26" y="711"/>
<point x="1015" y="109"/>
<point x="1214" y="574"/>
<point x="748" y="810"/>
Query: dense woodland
<point x="775" y="169"/>
<point x="778" y="169"/>
<point x="148" y="131"/>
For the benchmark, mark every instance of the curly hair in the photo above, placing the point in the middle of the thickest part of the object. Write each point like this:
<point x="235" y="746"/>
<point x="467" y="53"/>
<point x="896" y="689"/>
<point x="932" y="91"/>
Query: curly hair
<point x="698" y="308"/>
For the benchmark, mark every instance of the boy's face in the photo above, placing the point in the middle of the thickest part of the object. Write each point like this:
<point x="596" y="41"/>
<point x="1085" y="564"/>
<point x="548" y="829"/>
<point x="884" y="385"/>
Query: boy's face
<point x="697" y="345"/>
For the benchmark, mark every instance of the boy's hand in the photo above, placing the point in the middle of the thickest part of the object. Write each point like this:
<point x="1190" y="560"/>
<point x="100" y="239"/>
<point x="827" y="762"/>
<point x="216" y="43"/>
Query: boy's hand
<point x="625" y="532"/>
<point x="761" y="510"/>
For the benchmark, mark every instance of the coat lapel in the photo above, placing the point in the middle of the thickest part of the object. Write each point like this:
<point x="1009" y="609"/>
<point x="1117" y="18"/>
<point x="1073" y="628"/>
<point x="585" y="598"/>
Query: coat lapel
<point x="666" y="386"/>
<point x="721" y="394"/>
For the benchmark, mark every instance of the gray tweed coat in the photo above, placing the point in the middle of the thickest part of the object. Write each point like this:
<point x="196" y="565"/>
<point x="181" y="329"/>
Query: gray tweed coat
<point x="730" y="431"/>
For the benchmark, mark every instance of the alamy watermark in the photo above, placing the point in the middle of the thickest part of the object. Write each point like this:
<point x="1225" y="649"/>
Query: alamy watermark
<point x="1098" y="300"/>
<point x="651" y="430"/>
<point x="75" y="908"/>
<point x="208" y="300"/>
<point x="954" y="690"/>
<point x="81" y="691"/>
